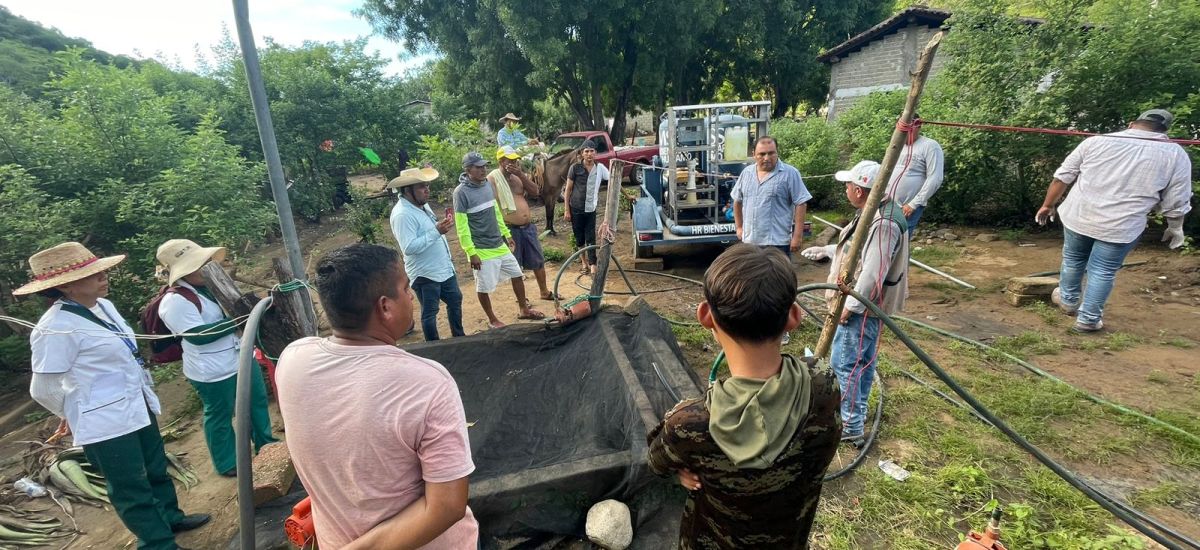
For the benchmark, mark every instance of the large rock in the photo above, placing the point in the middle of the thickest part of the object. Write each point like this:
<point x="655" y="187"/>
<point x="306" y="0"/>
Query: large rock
<point x="273" y="473"/>
<point x="1022" y="300"/>
<point x="987" y="237"/>
<point x="609" y="525"/>
<point x="1036" y="286"/>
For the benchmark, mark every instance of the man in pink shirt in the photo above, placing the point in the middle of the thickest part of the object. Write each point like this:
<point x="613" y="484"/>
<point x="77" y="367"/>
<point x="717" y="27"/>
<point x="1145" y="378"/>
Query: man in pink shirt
<point x="378" y="435"/>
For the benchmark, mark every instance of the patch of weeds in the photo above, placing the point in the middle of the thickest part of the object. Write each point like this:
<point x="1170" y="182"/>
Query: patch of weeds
<point x="936" y="255"/>
<point x="1178" y="342"/>
<point x="1167" y="493"/>
<point x="553" y="254"/>
<point x="1116" y="341"/>
<point x="1012" y="235"/>
<point x="1049" y="314"/>
<point x="1158" y="377"/>
<point x="166" y="373"/>
<point x="692" y="335"/>
<point x="1028" y="343"/>
<point x="36" y="416"/>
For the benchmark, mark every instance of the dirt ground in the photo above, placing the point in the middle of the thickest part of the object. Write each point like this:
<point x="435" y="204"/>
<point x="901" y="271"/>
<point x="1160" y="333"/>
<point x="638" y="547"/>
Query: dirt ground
<point x="1157" y="301"/>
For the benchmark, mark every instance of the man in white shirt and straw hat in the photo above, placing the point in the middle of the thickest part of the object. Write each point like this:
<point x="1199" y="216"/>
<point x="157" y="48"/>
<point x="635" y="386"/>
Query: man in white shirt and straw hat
<point x="87" y="370"/>
<point x="210" y="351"/>
<point x="421" y="235"/>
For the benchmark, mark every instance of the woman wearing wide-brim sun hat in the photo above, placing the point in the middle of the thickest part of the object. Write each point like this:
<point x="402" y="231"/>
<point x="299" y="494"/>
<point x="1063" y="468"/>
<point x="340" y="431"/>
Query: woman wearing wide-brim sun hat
<point x="210" y="350"/>
<point x="86" y="369"/>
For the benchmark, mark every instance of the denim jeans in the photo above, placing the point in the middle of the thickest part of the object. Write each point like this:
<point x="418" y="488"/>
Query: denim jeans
<point x="913" y="218"/>
<point x="853" y="361"/>
<point x="429" y="293"/>
<point x="1100" y="260"/>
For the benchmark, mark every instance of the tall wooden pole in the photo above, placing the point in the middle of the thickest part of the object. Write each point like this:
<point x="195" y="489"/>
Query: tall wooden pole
<point x="850" y="265"/>
<point x="609" y="228"/>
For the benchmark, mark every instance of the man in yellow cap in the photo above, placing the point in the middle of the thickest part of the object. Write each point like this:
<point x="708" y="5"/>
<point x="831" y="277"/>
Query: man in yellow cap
<point x="512" y="185"/>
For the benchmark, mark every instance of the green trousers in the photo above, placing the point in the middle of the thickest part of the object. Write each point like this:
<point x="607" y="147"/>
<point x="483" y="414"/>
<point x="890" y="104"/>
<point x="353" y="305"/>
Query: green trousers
<point x="135" y="470"/>
<point x="218" y="398"/>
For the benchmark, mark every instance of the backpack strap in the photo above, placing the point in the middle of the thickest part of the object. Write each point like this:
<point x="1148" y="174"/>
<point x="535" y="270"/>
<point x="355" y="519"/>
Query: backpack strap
<point x="188" y="295"/>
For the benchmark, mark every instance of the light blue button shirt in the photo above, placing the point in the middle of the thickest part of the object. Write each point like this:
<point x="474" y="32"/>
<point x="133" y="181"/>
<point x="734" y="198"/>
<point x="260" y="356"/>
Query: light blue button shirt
<point x="769" y="206"/>
<point x="512" y="137"/>
<point x="426" y="252"/>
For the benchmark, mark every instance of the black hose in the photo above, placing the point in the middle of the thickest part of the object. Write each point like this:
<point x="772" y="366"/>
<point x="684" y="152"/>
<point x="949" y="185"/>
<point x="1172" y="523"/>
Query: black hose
<point x="1117" y="509"/>
<point x="1121" y="511"/>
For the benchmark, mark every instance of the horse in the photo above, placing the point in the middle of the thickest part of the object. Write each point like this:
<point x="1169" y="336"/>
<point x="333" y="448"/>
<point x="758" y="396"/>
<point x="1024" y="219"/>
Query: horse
<point x="550" y="173"/>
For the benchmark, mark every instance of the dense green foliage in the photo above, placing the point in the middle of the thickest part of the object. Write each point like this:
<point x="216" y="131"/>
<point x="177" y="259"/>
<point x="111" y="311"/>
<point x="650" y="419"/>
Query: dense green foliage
<point x="606" y="59"/>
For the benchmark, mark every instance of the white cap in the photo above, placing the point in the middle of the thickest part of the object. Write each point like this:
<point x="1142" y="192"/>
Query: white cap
<point x="863" y="174"/>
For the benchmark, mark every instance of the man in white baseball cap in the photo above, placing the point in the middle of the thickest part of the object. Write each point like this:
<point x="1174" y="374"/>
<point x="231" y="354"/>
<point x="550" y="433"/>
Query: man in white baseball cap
<point x="882" y="277"/>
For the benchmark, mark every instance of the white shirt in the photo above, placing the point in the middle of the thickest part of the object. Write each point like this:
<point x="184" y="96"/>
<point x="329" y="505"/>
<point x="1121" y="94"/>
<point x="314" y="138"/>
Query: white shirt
<point x="210" y="362"/>
<point x="912" y="186"/>
<point x="106" y="392"/>
<point x="1117" y="181"/>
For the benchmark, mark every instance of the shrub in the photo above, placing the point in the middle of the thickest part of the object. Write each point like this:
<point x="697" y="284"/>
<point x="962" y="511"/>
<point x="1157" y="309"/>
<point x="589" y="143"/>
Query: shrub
<point x="363" y="215"/>
<point x="812" y="146"/>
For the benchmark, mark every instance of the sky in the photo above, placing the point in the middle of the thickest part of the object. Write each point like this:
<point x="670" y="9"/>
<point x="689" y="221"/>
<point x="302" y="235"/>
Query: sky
<point x="172" y="29"/>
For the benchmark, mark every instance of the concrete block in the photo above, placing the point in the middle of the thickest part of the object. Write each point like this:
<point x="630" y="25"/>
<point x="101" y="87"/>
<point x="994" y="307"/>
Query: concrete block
<point x="1021" y="300"/>
<point x="649" y="264"/>
<point x="1035" y="286"/>
<point x="274" y="473"/>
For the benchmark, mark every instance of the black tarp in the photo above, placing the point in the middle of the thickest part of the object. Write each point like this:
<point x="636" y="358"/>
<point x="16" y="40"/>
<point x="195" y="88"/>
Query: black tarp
<point x="558" y="421"/>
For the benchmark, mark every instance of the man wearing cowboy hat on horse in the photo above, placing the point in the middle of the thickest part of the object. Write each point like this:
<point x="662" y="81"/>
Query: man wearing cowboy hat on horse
<point x="509" y="135"/>
<point x="86" y="370"/>
<point x="210" y="351"/>
<point x="427" y="261"/>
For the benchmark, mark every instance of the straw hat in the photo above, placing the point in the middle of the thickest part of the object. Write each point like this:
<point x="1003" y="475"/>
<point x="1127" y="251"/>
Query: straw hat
<point x="510" y="116"/>
<point x="182" y="257"/>
<point x="63" y="264"/>
<point x="413" y="176"/>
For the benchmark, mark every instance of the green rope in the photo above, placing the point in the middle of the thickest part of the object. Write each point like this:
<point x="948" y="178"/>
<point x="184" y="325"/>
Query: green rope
<point x="290" y="286"/>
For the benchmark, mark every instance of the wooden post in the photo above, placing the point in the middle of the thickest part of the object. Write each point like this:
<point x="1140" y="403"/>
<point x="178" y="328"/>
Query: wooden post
<point x="611" y="208"/>
<point x="284" y="323"/>
<point x="850" y="265"/>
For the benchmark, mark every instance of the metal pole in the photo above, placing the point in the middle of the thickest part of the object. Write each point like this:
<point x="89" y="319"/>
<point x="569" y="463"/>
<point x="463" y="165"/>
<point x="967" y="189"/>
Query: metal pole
<point x="241" y="409"/>
<point x="921" y="265"/>
<point x="850" y="267"/>
<point x="266" y="134"/>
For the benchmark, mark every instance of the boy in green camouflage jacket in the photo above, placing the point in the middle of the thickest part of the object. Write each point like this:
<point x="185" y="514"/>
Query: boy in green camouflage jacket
<point x="753" y="451"/>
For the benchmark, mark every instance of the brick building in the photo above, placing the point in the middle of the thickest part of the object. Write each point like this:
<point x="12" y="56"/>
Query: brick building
<point x="881" y="58"/>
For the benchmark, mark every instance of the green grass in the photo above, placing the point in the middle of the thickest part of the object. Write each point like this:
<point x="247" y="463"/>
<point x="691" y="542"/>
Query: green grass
<point x="1167" y="493"/>
<point x="1049" y="314"/>
<point x="936" y="255"/>
<point x="166" y="373"/>
<point x="36" y="416"/>
<point x="553" y="254"/>
<point x="961" y="469"/>
<point x="1028" y="343"/>
<point x="1179" y="342"/>
<point x="1012" y="235"/>
<point x="1114" y="341"/>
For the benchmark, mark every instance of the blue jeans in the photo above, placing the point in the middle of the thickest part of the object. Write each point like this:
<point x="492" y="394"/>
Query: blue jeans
<point x="430" y="293"/>
<point x="1100" y="260"/>
<point x="913" y="218"/>
<point x="853" y="361"/>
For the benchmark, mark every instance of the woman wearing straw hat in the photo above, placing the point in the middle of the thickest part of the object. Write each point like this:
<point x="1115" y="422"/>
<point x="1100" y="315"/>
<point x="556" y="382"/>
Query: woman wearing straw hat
<point x="86" y="369"/>
<point x="210" y="351"/>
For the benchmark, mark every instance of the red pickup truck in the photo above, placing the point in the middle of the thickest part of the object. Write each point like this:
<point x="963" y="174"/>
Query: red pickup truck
<point x="605" y="151"/>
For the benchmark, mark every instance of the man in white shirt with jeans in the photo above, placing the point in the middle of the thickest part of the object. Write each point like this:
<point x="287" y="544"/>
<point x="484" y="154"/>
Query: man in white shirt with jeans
<point x="1119" y="178"/>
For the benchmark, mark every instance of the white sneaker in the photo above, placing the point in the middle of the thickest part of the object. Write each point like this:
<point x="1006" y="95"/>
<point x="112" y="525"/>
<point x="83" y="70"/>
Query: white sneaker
<point x="1056" y="297"/>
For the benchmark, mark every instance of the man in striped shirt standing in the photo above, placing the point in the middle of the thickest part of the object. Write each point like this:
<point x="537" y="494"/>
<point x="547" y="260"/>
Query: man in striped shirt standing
<point x="1118" y="179"/>
<point x="485" y="239"/>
